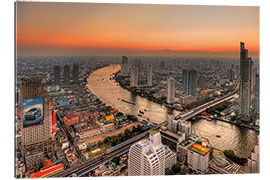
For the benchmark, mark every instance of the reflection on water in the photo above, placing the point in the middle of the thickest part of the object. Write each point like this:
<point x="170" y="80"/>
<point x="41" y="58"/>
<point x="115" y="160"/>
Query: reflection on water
<point x="240" y="140"/>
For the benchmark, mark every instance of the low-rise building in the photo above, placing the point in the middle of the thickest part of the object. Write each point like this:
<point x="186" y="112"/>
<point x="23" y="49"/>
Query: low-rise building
<point x="71" y="119"/>
<point x="172" y="139"/>
<point x="107" y="127"/>
<point x="89" y="131"/>
<point x="187" y="99"/>
<point x="65" y="144"/>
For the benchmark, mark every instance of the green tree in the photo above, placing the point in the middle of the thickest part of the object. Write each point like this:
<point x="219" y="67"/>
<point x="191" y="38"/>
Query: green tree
<point x="119" y="114"/>
<point x="176" y="168"/>
<point x="169" y="172"/>
<point x="116" y="160"/>
<point x="127" y="133"/>
<point x="88" y="148"/>
<point x="100" y="143"/>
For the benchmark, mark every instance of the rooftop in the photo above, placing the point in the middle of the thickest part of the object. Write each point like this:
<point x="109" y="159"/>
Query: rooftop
<point x="199" y="149"/>
<point x="153" y="132"/>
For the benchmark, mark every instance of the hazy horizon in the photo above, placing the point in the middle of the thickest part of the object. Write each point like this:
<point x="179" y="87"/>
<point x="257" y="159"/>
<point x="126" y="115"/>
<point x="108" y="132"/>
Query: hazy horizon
<point x="97" y="29"/>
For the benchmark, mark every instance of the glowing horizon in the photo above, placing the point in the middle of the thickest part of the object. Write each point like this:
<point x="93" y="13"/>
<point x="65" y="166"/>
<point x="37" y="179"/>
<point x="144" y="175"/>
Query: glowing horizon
<point x="48" y="29"/>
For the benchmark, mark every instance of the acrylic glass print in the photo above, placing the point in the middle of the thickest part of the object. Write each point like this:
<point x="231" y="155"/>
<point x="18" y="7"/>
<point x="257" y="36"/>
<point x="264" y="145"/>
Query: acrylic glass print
<point x="136" y="90"/>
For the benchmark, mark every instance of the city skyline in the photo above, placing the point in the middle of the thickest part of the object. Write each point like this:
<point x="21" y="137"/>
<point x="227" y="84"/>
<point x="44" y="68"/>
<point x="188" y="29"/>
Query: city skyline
<point x="72" y="29"/>
<point x="136" y="89"/>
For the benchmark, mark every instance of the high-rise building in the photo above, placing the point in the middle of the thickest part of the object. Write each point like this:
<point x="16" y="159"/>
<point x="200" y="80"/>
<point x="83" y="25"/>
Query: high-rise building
<point x="57" y="75"/>
<point x="245" y="80"/>
<point x="66" y="74"/>
<point x="134" y="76"/>
<point x="253" y="78"/>
<point x="202" y="81"/>
<point x="172" y="124"/>
<point x="147" y="157"/>
<point x="75" y="73"/>
<point x="231" y="74"/>
<point x="171" y="90"/>
<point x="124" y="66"/>
<point x="37" y="122"/>
<point x="198" y="157"/>
<point x="189" y="79"/>
<point x="150" y="75"/>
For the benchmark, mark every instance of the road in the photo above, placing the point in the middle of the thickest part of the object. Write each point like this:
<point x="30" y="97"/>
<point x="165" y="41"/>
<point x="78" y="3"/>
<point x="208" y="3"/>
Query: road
<point x="65" y="130"/>
<point x="207" y="105"/>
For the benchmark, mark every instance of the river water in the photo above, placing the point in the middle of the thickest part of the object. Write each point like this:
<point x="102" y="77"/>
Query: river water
<point x="100" y="82"/>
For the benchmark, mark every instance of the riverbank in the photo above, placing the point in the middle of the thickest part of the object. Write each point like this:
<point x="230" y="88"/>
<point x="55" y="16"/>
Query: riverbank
<point x="146" y="97"/>
<point x="239" y="125"/>
<point x="240" y="140"/>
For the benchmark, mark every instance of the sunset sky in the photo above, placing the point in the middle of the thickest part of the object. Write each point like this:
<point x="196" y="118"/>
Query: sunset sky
<point x="56" y="29"/>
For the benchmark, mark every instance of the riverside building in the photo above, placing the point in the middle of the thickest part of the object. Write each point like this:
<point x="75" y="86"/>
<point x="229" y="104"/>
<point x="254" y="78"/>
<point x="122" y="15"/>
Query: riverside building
<point x="171" y="90"/>
<point x="245" y="80"/>
<point x="134" y="73"/>
<point x="150" y="75"/>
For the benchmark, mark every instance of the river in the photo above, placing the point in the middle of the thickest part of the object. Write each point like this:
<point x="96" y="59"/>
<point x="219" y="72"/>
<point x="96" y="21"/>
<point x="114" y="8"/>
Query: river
<point x="100" y="82"/>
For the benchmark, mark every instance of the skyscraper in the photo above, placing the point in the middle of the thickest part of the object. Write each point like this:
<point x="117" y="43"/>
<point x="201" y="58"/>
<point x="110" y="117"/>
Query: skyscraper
<point x="202" y="82"/>
<point x="150" y="75"/>
<point x="231" y="74"/>
<point x="66" y="74"/>
<point x="171" y="90"/>
<point x="37" y="122"/>
<point x="189" y="79"/>
<point x="75" y="73"/>
<point x="124" y="66"/>
<point x="134" y="76"/>
<point x="57" y="75"/>
<point x="147" y="157"/>
<point x="245" y="80"/>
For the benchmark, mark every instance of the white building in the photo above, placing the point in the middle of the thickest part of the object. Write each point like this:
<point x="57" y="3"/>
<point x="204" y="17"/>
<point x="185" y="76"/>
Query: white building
<point x="150" y="75"/>
<point x="171" y="90"/>
<point x="198" y="157"/>
<point x="185" y="126"/>
<point x="134" y="72"/>
<point x="147" y="157"/>
<point x="107" y="127"/>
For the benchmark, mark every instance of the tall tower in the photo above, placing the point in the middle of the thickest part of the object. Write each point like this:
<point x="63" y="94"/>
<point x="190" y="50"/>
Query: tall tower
<point x="66" y="74"/>
<point x="171" y="90"/>
<point x="124" y="66"/>
<point x="75" y="73"/>
<point x="37" y="124"/>
<point x="150" y="75"/>
<point x="134" y="76"/>
<point x="147" y="157"/>
<point x="189" y="79"/>
<point x="245" y="80"/>
<point x="57" y="75"/>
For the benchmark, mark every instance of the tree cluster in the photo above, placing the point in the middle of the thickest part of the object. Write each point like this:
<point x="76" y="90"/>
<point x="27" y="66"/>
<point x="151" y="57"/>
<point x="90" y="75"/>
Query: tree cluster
<point x="121" y="137"/>
<point x="230" y="154"/>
